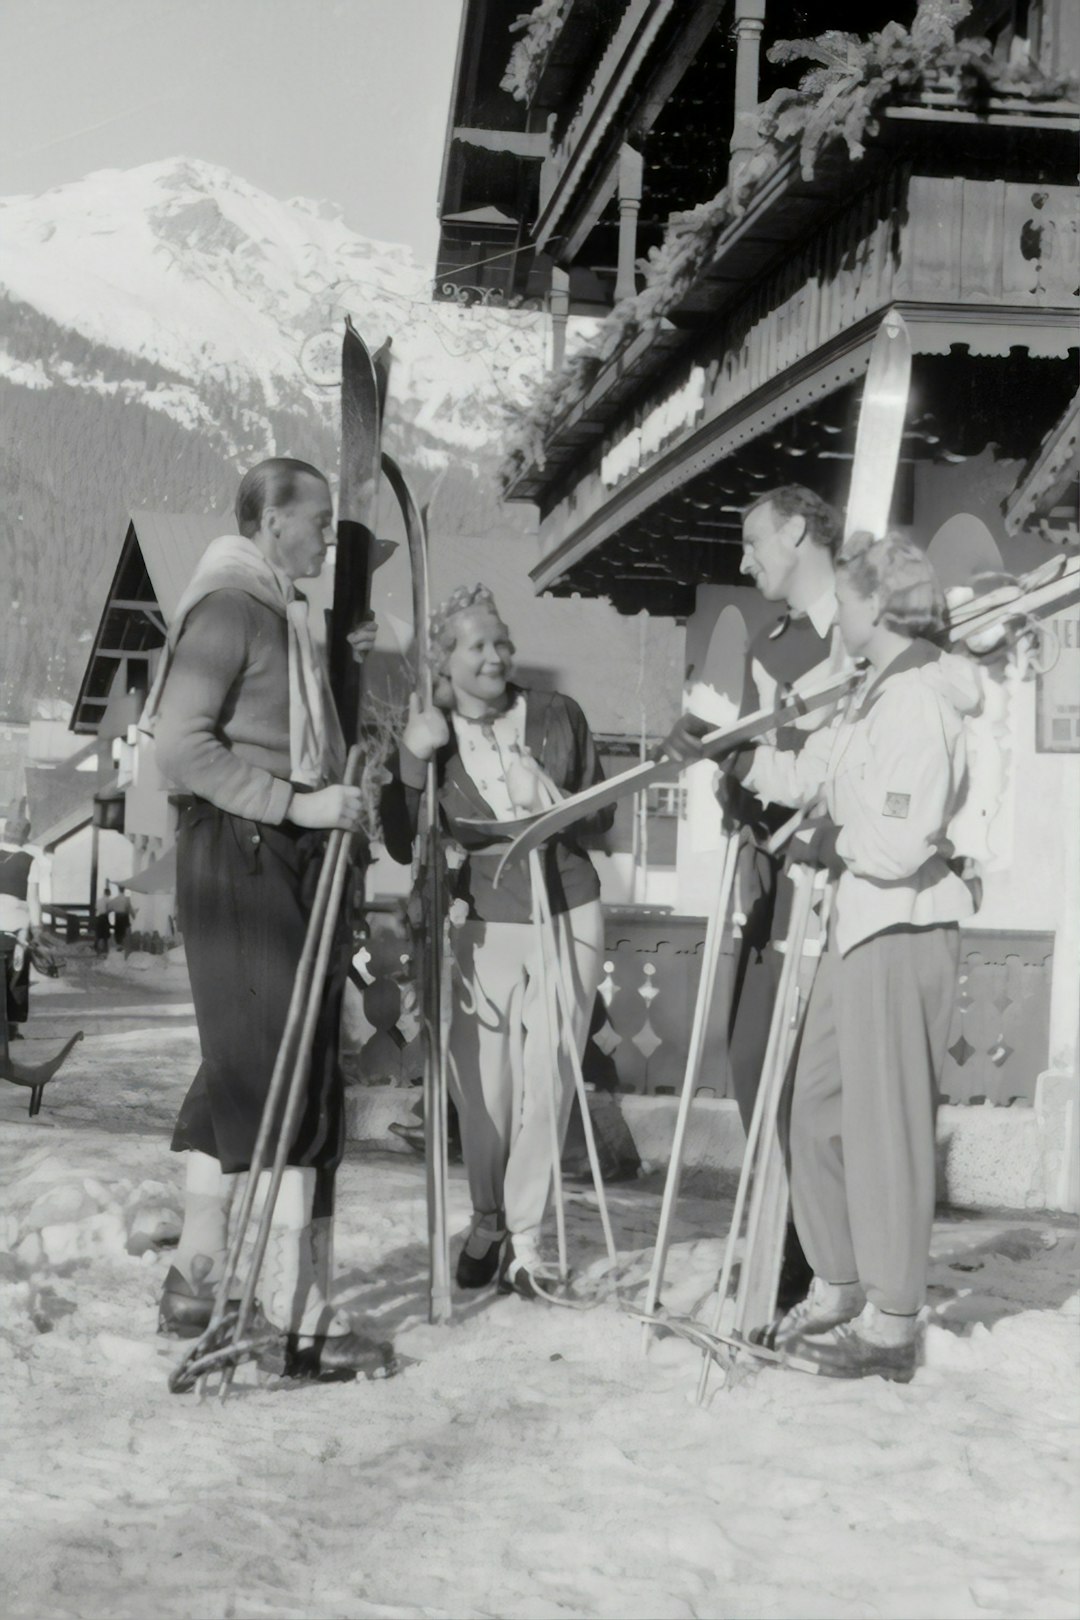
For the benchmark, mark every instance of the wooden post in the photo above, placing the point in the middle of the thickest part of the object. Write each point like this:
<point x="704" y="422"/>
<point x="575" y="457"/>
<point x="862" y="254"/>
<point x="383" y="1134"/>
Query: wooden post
<point x="559" y="304"/>
<point x="749" y="24"/>
<point x="631" y="174"/>
<point x="94" y="837"/>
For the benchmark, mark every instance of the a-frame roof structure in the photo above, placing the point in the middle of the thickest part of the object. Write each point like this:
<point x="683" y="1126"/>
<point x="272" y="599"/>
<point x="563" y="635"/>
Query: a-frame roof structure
<point x="157" y="559"/>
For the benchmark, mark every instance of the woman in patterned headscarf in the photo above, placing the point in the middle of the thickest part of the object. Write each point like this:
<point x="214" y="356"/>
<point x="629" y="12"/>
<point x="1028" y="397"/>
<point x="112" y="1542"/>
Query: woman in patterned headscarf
<point x="501" y="751"/>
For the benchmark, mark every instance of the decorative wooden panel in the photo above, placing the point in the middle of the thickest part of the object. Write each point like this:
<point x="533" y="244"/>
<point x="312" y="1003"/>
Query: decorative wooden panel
<point x="652" y="968"/>
<point x="999" y="1041"/>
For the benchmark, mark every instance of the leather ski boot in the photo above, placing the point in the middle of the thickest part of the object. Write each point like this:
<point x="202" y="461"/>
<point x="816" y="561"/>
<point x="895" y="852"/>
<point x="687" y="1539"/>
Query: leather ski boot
<point x="319" y="1342"/>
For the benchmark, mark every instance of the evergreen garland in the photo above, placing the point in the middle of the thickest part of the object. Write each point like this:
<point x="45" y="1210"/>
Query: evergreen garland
<point x="538" y="28"/>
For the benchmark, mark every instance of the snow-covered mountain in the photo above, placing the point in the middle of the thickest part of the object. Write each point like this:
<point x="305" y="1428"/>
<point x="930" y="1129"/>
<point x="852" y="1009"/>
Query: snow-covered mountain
<point x="240" y="297"/>
<point x="164" y="326"/>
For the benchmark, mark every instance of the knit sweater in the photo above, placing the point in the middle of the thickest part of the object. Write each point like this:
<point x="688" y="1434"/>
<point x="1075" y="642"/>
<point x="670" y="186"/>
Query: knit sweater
<point x="223" y="725"/>
<point x="558" y="736"/>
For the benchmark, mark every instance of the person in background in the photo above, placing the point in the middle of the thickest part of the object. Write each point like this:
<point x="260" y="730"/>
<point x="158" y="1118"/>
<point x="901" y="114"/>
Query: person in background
<point x="113" y="914"/>
<point x="500" y="751"/>
<point x="122" y="913"/>
<point x="22" y="868"/>
<point x="245" y="724"/>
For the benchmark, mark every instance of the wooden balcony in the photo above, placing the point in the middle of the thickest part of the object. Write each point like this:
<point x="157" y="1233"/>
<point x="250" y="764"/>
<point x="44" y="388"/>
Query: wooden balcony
<point x="633" y="80"/>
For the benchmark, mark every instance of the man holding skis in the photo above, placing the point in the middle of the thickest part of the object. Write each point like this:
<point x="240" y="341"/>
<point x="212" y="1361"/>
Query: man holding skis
<point x="245" y="725"/>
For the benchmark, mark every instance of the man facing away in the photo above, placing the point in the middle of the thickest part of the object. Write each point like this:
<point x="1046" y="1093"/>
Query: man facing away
<point x="245" y="725"/>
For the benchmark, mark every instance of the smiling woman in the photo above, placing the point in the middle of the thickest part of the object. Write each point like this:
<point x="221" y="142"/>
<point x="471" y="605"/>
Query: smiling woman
<point x="500" y="749"/>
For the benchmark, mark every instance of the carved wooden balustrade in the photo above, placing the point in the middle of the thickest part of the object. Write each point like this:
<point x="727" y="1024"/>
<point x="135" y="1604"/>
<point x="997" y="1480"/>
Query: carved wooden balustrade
<point x="651" y="970"/>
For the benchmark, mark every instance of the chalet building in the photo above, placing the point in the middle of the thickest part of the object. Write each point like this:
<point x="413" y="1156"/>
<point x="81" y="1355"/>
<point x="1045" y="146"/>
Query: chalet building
<point x="157" y="558"/>
<point x="741" y="225"/>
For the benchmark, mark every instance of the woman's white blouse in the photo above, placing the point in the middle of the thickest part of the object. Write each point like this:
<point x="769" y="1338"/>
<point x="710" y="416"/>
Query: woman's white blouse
<point x="488" y="748"/>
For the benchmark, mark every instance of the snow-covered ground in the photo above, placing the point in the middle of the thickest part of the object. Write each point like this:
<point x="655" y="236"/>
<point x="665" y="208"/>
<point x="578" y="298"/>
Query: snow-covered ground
<point x="529" y="1462"/>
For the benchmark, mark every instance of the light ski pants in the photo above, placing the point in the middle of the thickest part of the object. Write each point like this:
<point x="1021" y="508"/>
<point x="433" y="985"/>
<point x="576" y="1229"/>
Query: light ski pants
<point x="862" y="1113"/>
<point x="501" y="1073"/>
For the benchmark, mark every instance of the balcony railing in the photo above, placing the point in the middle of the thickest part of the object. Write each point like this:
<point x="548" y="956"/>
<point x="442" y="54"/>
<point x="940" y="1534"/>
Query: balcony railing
<point x="572" y="158"/>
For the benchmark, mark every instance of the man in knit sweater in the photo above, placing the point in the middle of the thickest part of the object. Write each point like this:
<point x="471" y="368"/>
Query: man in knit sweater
<point x="245" y="726"/>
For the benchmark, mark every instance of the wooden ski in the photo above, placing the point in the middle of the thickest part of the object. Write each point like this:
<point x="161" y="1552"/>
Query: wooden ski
<point x="529" y="832"/>
<point x="434" y="947"/>
<point x="363" y="390"/>
<point x="880" y="430"/>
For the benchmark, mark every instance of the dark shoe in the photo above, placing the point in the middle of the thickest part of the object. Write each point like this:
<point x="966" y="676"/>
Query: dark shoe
<point x="477" y="1270"/>
<point x="185" y="1308"/>
<point x="845" y="1353"/>
<point x="333" y="1358"/>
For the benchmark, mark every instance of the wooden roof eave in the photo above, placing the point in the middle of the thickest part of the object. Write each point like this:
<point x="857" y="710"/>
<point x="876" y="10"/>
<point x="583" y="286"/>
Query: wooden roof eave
<point x="79" y="723"/>
<point x="751" y="242"/>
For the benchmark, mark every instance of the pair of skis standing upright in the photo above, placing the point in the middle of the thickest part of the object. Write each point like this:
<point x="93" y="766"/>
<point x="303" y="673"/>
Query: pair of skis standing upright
<point x="762" y="1197"/>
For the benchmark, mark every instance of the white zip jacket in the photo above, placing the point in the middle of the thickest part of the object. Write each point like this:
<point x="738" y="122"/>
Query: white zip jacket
<point x="891" y="774"/>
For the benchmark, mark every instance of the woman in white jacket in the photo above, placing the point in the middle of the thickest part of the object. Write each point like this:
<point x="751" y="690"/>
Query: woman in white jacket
<point x="890" y="775"/>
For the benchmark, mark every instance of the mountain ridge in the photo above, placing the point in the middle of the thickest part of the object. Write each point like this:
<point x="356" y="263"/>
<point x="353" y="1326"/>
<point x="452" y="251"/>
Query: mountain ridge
<point x="164" y="326"/>
<point x="184" y="264"/>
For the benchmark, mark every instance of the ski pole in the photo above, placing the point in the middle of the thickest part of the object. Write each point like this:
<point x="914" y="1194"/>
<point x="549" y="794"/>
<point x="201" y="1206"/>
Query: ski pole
<point x="766" y="1105"/>
<point x="435" y="1071"/>
<point x="297" y="1082"/>
<point x="301" y="986"/>
<point x="554" y="1092"/>
<point x="564" y="995"/>
<point x="301" y="993"/>
<point x="710" y="964"/>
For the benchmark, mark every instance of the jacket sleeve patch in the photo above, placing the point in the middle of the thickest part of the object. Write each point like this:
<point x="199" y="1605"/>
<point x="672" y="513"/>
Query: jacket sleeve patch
<point x="897" y="804"/>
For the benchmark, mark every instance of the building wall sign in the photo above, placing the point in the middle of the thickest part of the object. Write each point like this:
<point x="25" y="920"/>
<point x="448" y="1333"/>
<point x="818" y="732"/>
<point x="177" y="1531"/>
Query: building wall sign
<point x="679" y="411"/>
<point x="1057" y="691"/>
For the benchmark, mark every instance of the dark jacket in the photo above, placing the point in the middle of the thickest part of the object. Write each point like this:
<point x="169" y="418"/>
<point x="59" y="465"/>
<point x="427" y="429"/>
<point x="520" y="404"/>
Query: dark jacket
<point x="558" y="736"/>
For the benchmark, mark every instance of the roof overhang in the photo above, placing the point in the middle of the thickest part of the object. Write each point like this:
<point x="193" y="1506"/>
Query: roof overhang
<point x="157" y="558"/>
<point x="640" y="504"/>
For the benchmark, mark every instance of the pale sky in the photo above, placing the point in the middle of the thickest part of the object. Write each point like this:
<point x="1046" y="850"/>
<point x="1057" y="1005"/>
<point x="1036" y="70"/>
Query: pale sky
<point x="337" y="99"/>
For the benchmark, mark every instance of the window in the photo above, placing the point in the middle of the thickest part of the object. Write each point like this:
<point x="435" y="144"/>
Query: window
<point x="666" y="799"/>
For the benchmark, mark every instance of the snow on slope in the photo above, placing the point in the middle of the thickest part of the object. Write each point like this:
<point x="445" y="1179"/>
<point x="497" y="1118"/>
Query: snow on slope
<point x="186" y="265"/>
